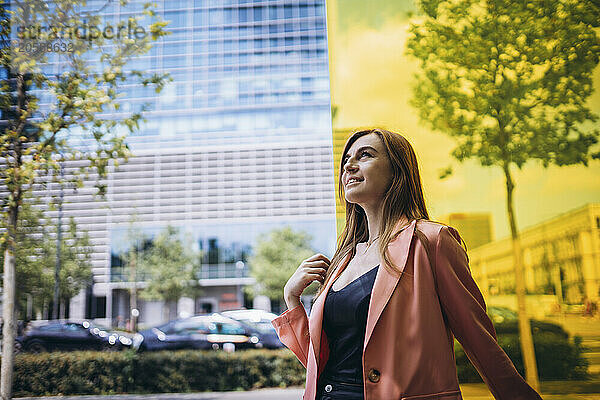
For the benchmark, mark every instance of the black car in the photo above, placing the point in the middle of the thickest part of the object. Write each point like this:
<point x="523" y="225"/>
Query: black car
<point x="258" y="321"/>
<point x="507" y="321"/>
<point x="209" y="331"/>
<point x="41" y="336"/>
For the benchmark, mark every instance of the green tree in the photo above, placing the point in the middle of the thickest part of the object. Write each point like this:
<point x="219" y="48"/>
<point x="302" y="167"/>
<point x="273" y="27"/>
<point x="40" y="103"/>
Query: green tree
<point x="36" y="258"/>
<point x="138" y="243"/>
<point x="509" y="81"/>
<point x="170" y="266"/>
<point x="276" y="256"/>
<point x="76" y="259"/>
<point x="83" y="96"/>
<point x="31" y="281"/>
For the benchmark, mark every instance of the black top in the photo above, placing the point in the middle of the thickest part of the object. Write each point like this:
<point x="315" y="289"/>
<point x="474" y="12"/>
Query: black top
<point x="345" y="323"/>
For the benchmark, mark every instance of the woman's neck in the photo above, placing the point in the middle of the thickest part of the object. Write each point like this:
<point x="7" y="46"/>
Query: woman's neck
<point x="373" y="221"/>
<point x="374" y="216"/>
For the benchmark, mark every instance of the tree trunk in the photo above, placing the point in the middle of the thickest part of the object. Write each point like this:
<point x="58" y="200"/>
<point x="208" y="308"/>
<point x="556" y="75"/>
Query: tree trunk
<point x="8" y="308"/>
<point x="58" y="251"/>
<point x="167" y="306"/>
<point x="167" y="311"/>
<point x="133" y="301"/>
<point x="133" y="292"/>
<point x="9" y="279"/>
<point x="526" y="339"/>
<point x="62" y="304"/>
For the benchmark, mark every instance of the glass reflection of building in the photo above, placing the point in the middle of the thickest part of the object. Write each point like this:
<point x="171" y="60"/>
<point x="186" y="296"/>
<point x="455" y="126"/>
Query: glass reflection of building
<point x="239" y="143"/>
<point x="561" y="263"/>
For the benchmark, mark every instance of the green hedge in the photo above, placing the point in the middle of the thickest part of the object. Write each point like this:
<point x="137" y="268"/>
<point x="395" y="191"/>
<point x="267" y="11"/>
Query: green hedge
<point x="161" y="372"/>
<point x="196" y="371"/>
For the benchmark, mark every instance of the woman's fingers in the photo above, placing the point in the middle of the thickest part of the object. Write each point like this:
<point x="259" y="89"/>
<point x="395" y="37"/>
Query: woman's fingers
<point x="315" y="277"/>
<point x="318" y="256"/>
<point x="316" y="264"/>
<point x="312" y="269"/>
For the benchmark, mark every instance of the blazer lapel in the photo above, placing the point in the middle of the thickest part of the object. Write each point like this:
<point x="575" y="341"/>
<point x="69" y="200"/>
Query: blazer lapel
<point x="385" y="281"/>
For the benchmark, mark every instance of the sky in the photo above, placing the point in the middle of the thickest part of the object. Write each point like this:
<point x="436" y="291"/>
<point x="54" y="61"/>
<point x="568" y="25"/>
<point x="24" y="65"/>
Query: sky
<point x="370" y="77"/>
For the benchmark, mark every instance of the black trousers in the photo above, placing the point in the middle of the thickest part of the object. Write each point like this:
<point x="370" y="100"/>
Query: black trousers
<point x="335" y="390"/>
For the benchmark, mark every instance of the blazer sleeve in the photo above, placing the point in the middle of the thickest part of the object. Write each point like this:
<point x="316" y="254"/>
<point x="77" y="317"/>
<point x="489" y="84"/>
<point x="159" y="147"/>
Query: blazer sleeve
<point x="292" y="329"/>
<point x="465" y="309"/>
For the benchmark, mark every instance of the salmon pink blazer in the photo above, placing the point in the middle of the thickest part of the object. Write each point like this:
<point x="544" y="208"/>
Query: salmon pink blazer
<point x="408" y="352"/>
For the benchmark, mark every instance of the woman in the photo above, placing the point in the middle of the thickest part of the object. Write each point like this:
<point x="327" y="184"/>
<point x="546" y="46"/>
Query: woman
<point x="396" y="291"/>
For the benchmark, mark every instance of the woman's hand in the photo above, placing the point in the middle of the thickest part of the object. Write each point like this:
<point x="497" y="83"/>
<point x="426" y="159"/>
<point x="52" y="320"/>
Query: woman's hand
<point x="312" y="269"/>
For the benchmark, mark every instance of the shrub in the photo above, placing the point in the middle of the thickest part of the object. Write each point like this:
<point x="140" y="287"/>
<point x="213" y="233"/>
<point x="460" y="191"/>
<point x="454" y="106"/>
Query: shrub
<point x="69" y="373"/>
<point x="557" y="358"/>
<point x="175" y="371"/>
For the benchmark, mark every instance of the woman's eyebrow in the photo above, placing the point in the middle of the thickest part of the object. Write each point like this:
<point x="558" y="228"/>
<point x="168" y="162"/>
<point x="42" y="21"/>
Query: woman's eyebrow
<point x="362" y="148"/>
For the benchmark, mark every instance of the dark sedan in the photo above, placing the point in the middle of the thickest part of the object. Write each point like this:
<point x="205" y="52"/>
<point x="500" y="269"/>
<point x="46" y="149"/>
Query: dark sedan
<point x="210" y="331"/>
<point x="41" y="336"/>
<point x="507" y="321"/>
<point x="258" y="321"/>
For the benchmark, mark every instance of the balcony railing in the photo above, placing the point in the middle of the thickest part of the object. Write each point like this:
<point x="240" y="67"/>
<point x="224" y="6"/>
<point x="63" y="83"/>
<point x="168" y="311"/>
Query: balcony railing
<point x="225" y="270"/>
<point x="120" y="274"/>
<point x="208" y="271"/>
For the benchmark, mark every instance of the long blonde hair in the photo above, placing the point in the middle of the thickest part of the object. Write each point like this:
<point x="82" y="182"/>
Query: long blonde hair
<point x="403" y="198"/>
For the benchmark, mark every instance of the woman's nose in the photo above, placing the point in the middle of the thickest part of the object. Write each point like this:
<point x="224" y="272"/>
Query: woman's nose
<point x="350" y="167"/>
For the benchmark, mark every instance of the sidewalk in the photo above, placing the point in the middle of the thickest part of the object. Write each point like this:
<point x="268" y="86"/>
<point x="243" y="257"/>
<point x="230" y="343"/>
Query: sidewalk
<point x="560" y="389"/>
<point x="471" y="391"/>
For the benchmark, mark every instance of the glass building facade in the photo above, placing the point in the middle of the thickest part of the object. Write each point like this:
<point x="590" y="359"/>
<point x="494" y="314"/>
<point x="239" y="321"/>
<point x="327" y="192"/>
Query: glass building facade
<point x="243" y="72"/>
<point x="239" y="143"/>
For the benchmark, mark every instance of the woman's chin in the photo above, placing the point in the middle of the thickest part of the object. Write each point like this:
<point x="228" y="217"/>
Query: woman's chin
<point x="353" y="198"/>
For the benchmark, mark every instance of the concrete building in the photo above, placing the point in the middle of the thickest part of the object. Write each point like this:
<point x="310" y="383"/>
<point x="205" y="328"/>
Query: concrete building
<point x="561" y="258"/>
<point x="475" y="228"/>
<point x="238" y="144"/>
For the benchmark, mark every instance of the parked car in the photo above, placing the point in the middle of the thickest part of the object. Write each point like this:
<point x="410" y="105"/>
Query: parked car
<point x="506" y="321"/>
<point x="260" y="322"/>
<point x="61" y="335"/>
<point x="209" y="331"/>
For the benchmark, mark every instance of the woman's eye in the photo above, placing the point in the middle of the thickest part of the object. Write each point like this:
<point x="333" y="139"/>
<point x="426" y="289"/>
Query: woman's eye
<point x="361" y="154"/>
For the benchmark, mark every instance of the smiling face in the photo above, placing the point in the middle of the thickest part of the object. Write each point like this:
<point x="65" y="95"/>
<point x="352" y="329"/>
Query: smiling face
<point x="367" y="172"/>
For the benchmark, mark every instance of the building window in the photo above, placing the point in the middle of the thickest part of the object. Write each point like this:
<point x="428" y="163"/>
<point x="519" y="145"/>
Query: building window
<point x="243" y="14"/>
<point x="95" y="307"/>
<point x="258" y="14"/>
<point x="177" y="19"/>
